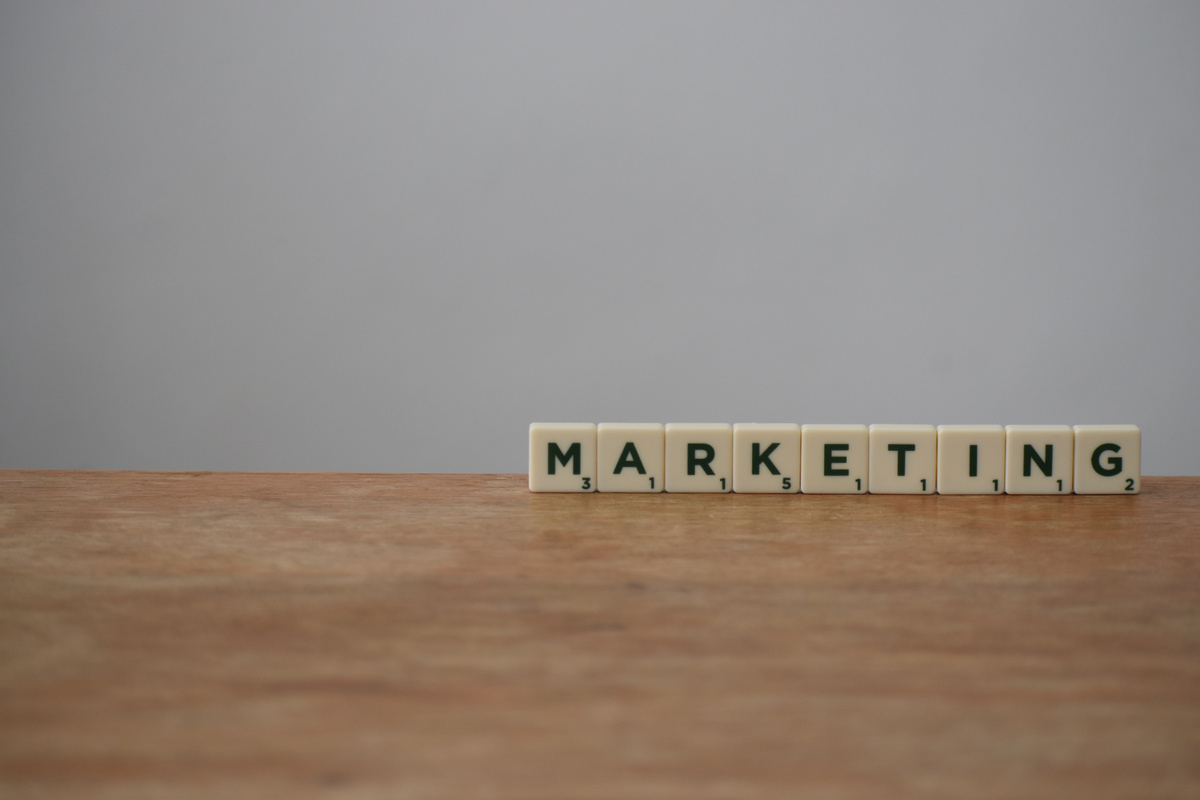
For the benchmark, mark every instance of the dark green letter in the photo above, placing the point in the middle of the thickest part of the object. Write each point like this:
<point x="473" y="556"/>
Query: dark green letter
<point x="1114" y="462"/>
<point x="702" y="463"/>
<point x="973" y="461"/>
<point x="572" y="454"/>
<point x="763" y="459"/>
<point x="831" y="459"/>
<point x="1031" y="457"/>
<point x="900" y="450"/>
<point x="629" y="458"/>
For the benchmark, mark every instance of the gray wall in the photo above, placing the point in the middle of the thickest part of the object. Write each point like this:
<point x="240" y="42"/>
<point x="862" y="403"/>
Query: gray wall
<point x="354" y="236"/>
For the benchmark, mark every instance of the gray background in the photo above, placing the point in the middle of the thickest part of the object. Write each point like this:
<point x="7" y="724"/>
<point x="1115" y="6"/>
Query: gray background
<point x="352" y="236"/>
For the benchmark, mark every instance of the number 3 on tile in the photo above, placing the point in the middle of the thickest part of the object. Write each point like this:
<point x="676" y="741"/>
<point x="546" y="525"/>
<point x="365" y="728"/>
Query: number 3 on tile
<point x="587" y="483"/>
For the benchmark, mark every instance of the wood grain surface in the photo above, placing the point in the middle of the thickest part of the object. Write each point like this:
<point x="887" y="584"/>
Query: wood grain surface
<point x="428" y="636"/>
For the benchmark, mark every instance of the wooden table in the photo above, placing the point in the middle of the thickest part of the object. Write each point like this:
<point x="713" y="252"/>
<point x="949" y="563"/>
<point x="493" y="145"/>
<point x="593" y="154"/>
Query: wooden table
<point x="411" y="636"/>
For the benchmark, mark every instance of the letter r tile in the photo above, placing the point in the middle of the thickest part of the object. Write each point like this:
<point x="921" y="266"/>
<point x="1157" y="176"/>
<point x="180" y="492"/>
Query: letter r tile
<point x="699" y="457"/>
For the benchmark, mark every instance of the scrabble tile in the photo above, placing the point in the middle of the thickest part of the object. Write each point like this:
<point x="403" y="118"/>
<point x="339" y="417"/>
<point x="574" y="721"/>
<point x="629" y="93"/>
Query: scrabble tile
<point x="903" y="459"/>
<point x="970" y="459"/>
<point x="629" y="456"/>
<point x="699" y="457"/>
<point x="562" y="457"/>
<point x="766" y="458"/>
<point x="1108" y="459"/>
<point x="833" y="459"/>
<point x="1038" y="459"/>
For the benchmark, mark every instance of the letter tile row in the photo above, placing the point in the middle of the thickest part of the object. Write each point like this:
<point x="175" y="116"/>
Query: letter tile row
<point x="786" y="458"/>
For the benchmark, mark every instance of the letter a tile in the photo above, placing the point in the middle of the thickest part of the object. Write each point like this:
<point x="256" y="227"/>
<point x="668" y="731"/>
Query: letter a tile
<point x="629" y="456"/>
